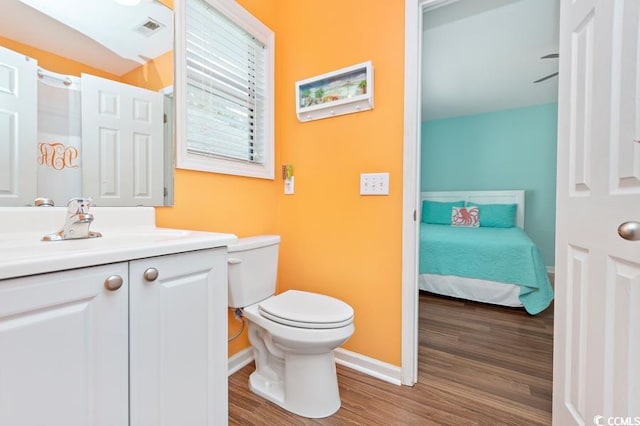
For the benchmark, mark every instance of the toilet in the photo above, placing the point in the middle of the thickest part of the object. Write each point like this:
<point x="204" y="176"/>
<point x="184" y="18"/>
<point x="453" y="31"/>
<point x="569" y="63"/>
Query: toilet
<point x="292" y="334"/>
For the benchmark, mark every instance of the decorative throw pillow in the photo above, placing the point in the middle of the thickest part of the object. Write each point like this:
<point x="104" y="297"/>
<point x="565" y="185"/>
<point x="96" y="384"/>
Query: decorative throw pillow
<point x="465" y="216"/>
<point x="439" y="212"/>
<point x="498" y="215"/>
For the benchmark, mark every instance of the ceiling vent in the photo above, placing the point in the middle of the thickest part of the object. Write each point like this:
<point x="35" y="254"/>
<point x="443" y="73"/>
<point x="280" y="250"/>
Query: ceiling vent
<point x="149" y="27"/>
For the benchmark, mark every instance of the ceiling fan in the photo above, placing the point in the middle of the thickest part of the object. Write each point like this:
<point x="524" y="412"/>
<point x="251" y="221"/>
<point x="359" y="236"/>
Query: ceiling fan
<point x="546" y="77"/>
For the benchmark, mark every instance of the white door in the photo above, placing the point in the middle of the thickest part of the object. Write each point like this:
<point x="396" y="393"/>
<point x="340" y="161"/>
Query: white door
<point x="18" y="128"/>
<point x="122" y="143"/>
<point x="178" y="334"/>
<point x="597" y="307"/>
<point x="64" y="349"/>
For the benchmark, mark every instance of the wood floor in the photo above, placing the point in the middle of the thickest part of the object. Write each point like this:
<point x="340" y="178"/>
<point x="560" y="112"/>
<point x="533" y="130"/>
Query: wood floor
<point x="478" y="365"/>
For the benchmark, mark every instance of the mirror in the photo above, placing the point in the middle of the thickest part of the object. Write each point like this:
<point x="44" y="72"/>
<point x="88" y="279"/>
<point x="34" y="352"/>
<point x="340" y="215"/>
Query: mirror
<point x="131" y="45"/>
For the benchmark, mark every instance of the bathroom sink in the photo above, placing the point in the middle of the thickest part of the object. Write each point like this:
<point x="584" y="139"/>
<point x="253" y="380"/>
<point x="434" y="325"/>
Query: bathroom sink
<point x="22" y="251"/>
<point x="154" y="234"/>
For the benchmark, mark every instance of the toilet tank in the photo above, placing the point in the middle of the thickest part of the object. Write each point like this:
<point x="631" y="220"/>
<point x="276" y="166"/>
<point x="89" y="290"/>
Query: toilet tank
<point x="253" y="268"/>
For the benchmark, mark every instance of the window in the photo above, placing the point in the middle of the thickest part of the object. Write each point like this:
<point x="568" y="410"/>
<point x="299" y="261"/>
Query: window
<point x="224" y="79"/>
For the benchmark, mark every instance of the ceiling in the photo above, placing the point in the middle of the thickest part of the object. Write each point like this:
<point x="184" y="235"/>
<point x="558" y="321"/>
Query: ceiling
<point x="483" y="55"/>
<point x="99" y="33"/>
<point x="478" y="55"/>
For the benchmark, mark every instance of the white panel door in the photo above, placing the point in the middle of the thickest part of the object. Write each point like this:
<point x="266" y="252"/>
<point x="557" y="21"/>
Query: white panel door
<point x="18" y="128"/>
<point x="122" y="143"/>
<point x="63" y="349"/>
<point x="597" y="315"/>
<point x="178" y="326"/>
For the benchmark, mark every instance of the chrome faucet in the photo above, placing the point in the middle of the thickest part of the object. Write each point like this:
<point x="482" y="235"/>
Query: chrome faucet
<point x="77" y="223"/>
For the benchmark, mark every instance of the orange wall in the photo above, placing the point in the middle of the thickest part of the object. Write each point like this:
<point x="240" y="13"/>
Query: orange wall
<point x="54" y="63"/>
<point x="154" y="75"/>
<point x="334" y="241"/>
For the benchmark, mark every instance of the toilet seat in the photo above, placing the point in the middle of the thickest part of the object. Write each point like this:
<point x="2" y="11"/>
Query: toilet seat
<point x="302" y="309"/>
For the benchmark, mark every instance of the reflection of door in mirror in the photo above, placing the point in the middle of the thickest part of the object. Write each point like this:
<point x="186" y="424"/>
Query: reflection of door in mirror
<point x="18" y="114"/>
<point x="131" y="45"/>
<point x="122" y="152"/>
<point x="96" y="137"/>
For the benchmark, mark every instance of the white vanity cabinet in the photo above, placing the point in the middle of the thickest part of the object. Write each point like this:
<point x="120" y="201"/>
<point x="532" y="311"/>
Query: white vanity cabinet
<point x="178" y="338"/>
<point x="74" y="352"/>
<point x="64" y="348"/>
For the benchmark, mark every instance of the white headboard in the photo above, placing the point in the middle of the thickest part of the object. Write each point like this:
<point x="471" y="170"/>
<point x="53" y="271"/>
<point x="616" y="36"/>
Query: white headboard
<point x="482" y="197"/>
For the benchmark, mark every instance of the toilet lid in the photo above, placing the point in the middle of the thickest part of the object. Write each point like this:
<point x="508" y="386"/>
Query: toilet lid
<point x="306" y="310"/>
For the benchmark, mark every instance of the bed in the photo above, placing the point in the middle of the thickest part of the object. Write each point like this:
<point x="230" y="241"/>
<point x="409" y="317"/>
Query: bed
<point x="473" y="246"/>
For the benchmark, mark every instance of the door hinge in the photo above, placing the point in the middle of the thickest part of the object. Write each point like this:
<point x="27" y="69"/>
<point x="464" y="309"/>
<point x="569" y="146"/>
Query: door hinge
<point x="164" y="117"/>
<point x="415" y="214"/>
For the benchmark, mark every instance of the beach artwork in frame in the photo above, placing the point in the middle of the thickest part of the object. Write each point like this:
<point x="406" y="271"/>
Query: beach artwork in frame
<point x="344" y="91"/>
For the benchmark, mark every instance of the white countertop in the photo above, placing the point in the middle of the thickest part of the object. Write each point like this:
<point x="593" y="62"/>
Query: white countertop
<point x="127" y="233"/>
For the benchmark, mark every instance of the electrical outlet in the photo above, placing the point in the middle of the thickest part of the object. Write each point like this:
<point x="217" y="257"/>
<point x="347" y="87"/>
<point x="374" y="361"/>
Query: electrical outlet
<point x="237" y="314"/>
<point x="374" y="183"/>
<point x="288" y="186"/>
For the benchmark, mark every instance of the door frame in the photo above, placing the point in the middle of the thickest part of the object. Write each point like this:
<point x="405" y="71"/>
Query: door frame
<point x="410" y="187"/>
<point x="414" y="10"/>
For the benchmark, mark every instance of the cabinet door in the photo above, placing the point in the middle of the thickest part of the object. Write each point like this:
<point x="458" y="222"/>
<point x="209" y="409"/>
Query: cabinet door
<point x="63" y="349"/>
<point x="178" y="341"/>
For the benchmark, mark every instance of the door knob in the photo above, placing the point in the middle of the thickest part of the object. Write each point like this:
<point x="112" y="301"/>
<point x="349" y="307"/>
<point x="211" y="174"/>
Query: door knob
<point x="630" y="230"/>
<point x="150" y="274"/>
<point x="113" y="282"/>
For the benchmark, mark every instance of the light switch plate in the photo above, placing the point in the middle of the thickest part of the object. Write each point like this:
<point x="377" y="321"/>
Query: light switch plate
<point x="374" y="183"/>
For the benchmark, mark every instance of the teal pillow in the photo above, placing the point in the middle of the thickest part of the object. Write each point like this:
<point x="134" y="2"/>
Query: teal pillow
<point x="497" y="215"/>
<point x="439" y="212"/>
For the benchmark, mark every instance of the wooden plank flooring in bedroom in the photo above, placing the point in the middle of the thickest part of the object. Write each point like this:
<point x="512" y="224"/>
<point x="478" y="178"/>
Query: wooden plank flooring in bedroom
<point x="478" y="365"/>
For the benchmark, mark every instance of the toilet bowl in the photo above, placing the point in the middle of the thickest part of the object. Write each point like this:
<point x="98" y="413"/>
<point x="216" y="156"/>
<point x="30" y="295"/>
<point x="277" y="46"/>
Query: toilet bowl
<point x="292" y="334"/>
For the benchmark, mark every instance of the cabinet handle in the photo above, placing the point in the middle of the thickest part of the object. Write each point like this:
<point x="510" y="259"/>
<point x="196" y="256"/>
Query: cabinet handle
<point x="151" y="274"/>
<point x="113" y="282"/>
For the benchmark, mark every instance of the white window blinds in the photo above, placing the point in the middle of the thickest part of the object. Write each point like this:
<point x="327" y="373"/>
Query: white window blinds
<point x="226" y="87"/>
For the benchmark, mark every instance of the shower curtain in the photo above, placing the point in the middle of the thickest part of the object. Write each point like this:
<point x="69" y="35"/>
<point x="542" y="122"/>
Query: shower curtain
<point x="59" y="137"/>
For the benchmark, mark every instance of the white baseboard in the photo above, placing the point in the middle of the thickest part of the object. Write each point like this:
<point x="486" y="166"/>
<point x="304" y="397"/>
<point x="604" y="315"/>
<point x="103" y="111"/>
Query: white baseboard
<point x="372" y="367"/>
<point x="239" y="360"/>
<point x="551" y="269"/>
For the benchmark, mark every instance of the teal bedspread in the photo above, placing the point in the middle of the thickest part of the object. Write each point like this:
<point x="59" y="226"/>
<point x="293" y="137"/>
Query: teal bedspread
<point x="496" y="254"/>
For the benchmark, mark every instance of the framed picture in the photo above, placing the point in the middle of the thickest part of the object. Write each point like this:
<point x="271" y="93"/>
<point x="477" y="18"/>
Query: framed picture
<point x="344" y="91"/>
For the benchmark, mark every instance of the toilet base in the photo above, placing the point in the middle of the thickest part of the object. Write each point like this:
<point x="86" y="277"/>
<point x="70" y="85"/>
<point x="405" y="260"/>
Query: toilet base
<point x="310" y="387"/>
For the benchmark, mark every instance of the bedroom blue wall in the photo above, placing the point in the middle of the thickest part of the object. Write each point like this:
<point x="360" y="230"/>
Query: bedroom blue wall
<point x="510" y="149"/>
